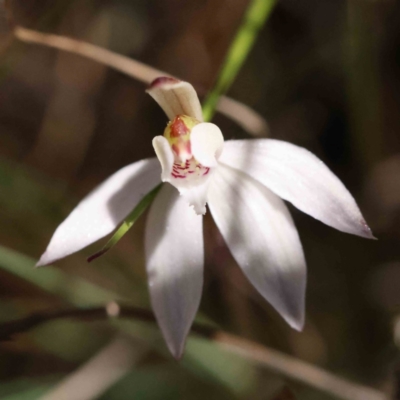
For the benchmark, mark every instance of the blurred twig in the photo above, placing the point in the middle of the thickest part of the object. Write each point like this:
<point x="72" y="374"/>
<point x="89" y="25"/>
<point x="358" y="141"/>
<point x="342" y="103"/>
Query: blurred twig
<point x="101" y="372"/>
<point x="297" y="370"/>
<point x="128" y="66"/>
<point x="244" y="116"/>
<point x="247" y="118"/>
<point x="280" y="363"/>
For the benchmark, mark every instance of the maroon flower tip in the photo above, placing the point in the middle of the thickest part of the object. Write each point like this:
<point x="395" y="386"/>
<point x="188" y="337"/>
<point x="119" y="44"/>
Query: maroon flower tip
<point x="163" y="80"/>
<point x="97" y="255"/>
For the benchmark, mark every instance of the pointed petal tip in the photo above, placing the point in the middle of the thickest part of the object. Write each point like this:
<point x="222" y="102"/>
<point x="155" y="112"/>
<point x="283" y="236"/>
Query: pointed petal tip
<point x="298" y="176"/>
<point x="176" y="345"/>
<point x="366" y="231"/>
<point x="174" y="264"/>
<point x="297" y="325"/>
<point x="360" y="228"/>
<point x="177" y="352"/>
<point x="295" y="318"/>
<point x="43" y="261"/>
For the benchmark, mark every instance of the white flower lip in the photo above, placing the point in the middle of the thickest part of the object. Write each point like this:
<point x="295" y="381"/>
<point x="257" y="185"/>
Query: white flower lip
<point x="192" y="177"/>
<point x="243" y="186"/>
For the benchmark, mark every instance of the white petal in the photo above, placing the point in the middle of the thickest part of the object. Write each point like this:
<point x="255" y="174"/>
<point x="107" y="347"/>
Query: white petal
<point x="206" y="142"/>
<point x="165" y="156"/>
<point x="175" y="259"/>
<point x="298" y="176"/>
<point x="103" y="209"/>
<point x="176" y="97"/>
<point x="262" y="238"/>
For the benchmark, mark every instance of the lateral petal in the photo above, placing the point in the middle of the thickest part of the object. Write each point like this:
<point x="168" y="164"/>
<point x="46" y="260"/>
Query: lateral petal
<point x="207" y="143"/>
<point x="261" y="236"/>
<point x="298" y="176"/>
<point x="165" y="156"/>
<point x="174" y="260"/>
<point x="176" y="97"/>
<point x="103" y="209"/>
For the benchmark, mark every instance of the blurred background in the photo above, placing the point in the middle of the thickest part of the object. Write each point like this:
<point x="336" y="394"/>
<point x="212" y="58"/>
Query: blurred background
<point x="325" y="74"/>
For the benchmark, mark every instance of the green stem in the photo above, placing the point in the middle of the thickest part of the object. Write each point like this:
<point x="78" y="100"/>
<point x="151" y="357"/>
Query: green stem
<point x="254" y="19"/>
<point x="128" y="223"/>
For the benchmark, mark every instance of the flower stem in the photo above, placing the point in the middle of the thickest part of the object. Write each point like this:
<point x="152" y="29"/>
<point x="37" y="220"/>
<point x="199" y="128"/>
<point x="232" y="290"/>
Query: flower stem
<point x="127" y="224"/>
<point x="254" y="19"/>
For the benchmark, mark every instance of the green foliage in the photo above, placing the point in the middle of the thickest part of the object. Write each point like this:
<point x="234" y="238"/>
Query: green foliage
<point x="255" y="18"/>
<point x="128" y="223"/>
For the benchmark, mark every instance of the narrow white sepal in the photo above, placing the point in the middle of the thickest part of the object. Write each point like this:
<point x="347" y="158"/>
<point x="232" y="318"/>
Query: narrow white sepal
<point x="206" y="143"/>
<point x="261" y="236"/>
<point x="176" y="97"/>
<point x="174" y="260"/>
<point x="165" y="156"/>
<point x="103" y="209"/>
<point x="298" y="176"/>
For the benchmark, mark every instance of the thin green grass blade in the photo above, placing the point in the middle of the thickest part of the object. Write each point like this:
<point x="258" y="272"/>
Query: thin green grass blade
<point x="256" y="16"/>
<point x="127" y="224"/>
<point x="70" y="288"/>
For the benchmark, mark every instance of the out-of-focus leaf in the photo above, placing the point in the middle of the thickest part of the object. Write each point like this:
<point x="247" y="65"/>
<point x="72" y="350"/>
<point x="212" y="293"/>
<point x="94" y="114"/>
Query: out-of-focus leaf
<point x="25" y="389"/>
<point x="200" y="354"/>
<point x="167" y="382"/>
<point x="69" y="288"/>
<point x="74" y="341"/>
<point x="206" y="359"/>
<point x="30" y="394"/>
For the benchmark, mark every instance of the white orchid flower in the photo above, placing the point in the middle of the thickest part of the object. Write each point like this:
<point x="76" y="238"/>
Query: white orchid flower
<point x="243" y="182"/>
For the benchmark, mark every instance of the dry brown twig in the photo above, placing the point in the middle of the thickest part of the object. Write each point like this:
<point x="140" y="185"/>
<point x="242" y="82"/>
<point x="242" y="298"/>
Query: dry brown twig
<point x="100" y="372"/>
<point x="243" y="115"/>
<point x="273" y="360"/>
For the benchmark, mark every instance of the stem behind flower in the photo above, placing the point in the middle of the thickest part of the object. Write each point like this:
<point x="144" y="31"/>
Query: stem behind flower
<point x="256" y="16"/>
